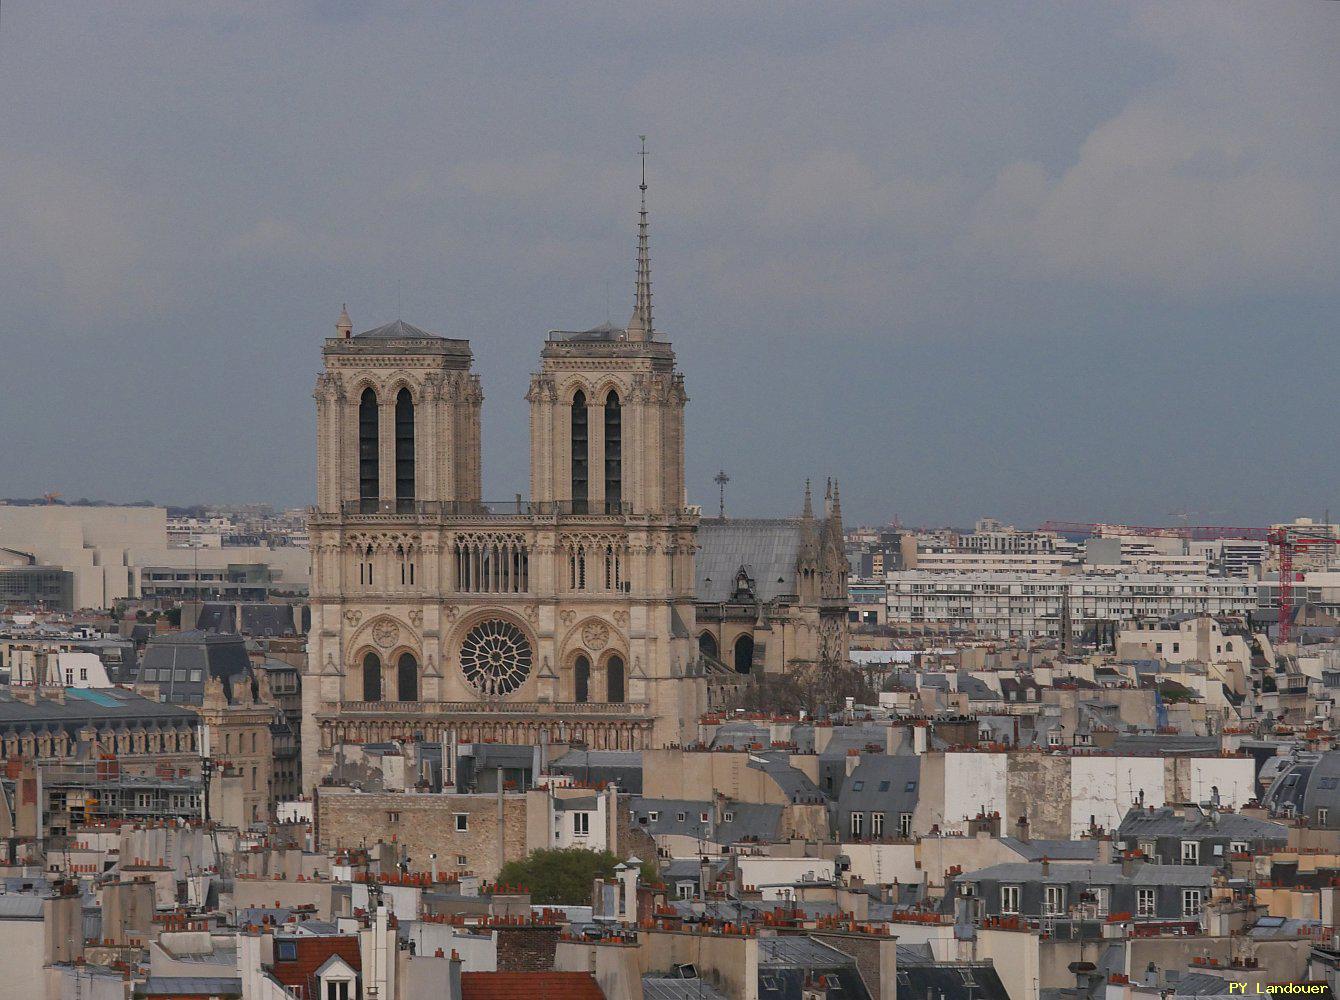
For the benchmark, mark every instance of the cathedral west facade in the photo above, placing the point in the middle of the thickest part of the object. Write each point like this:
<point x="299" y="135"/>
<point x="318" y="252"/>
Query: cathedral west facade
<point x="569" y="617"/>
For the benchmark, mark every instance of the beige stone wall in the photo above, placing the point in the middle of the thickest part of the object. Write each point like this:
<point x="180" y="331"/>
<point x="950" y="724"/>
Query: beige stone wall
<point x="674" y="774"/>
<point x="425" y="824"/>
<point x="1038" y="786"/>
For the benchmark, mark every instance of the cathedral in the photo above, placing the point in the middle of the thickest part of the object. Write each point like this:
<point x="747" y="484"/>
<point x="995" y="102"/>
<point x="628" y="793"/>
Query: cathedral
<point x="586" y="614"/>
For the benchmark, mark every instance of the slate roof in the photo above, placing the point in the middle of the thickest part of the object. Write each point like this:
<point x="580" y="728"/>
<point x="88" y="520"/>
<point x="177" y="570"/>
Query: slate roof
<point x="605" y="331"/>
<point x="1144" y="874"/>
<point x="976" y="689"/>
<point x="398" y="330"/>
<point x="623" y="767"/>
<point x="740" y="734"/>
<point x="794" y="783"/>
<point x="491" y="755"/>
<point x="1053" y="850"/>
<point x="175" y="986"/>
<point x="1306" y="785"/>
<point x="799" y="951"/>
<point x="1167" y="822"/>
<point x="1283" y="927"/>
<point x="256" y="618"/>
<point x="673" y="988"/>
<point x="949" y="980"/>
<point x="94" y="706"/>
<point x="786" y="961"/>
<point x="179" y="662"/>
<point x="1161" y="744"/>
<point x="1201" y="984"/>
<point x="881" y="783"/>
<point x="765" y="547"/>
<point x="750" y="820"/>
<point x="20" y="906"/>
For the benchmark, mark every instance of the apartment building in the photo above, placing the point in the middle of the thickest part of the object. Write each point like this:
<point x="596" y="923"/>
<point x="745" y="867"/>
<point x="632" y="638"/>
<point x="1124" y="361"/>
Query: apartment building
<point x="1030" y="605"/>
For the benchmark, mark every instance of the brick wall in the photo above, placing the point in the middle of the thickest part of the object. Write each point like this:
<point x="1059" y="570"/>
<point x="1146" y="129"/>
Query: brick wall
<point x="526" y="948"/>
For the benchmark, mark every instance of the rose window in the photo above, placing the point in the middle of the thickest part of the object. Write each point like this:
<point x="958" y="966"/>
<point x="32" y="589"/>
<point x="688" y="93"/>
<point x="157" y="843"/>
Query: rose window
<point x="495" y="657"/>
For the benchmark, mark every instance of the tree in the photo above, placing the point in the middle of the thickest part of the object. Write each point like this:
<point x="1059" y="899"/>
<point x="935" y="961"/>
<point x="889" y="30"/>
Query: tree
<point x="815" y="688"/>
<point x="562" y="876"/>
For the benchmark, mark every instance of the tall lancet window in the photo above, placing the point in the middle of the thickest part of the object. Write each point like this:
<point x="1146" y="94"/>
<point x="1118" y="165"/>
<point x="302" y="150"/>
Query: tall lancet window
<point x="368" y="487"/>
<point x="580" y="455"/>
<point x="613" y="453"/>
<point x="404" y="452"/>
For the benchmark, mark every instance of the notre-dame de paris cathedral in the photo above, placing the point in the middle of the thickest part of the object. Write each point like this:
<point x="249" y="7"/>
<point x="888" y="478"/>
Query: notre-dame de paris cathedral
<point x="604" y="610"/>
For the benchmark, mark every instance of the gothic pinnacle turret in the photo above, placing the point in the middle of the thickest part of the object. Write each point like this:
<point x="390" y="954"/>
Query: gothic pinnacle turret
<point x="640" y="325"/>
<point x="344" y="329"/>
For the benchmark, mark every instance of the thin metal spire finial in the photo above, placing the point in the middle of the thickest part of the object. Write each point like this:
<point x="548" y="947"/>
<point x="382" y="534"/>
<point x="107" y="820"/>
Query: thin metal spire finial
<point x="640" y="326"/>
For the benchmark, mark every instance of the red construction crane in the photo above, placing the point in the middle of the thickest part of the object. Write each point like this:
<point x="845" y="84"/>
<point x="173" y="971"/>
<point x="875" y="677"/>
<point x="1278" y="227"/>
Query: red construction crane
<point x="1289" y="542"/>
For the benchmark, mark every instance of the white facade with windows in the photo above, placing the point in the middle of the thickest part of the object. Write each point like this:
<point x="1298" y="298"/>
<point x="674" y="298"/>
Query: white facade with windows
<point x="1029" y="604"/>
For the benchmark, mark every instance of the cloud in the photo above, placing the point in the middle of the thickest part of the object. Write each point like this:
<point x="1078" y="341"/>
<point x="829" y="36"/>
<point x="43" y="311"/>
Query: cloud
<point x="1207" y="183"/>
<point x="886" y="237"/>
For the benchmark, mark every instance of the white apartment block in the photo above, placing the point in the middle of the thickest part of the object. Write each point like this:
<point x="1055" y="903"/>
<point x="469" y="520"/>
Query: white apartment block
<point x="987" y="561"/>
<point x="1029" y="604"/>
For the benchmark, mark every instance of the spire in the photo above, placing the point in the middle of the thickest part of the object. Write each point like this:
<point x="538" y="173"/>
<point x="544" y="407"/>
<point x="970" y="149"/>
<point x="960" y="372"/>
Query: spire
<point x="808" y="556"/>
<point x="835" y="519"/>
<point x="343" y="328"/>
<point x="639" y="326"/>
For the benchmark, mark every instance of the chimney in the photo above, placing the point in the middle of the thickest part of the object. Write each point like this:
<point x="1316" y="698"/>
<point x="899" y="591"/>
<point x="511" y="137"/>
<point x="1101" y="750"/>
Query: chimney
<point x="1023" y="829"/>
<point x="63" y="917"/>
<point x="628" y="873"/>
<point x="1104" y="846"/>
<point x="454" y="975"/>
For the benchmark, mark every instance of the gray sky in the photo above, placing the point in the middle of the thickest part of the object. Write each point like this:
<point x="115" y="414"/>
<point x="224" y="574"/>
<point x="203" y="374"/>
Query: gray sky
<point x="1065" y="260"/>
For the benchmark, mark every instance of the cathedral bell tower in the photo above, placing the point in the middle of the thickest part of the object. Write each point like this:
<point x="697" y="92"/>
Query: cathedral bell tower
<point x="607" y="411"/>
<point x="397" y="413"/>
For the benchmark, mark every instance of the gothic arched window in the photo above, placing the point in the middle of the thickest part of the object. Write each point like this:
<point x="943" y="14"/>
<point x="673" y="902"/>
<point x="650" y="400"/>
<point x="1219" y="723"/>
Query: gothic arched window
<point x="404" y="452"/>
<point x="581" y="680"/>
<point x="614" y="680"/>
<point x="613" y="453"/>
<point x="707" y="645"/>
<point x="407" y="678"/>
<point x="744" y="654"/>
<point x="372" y="677"/>
<point x="580" y="443"/>
<point x="368" y="445"/>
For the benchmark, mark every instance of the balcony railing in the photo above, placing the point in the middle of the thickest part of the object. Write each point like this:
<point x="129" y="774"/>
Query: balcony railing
<point x="572" y="708"/>
<point x="485" y="508"/>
